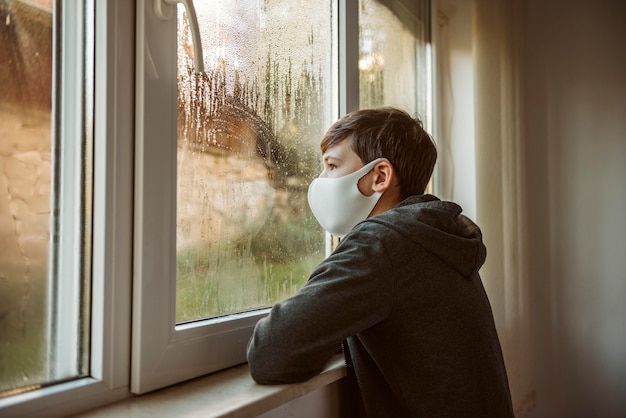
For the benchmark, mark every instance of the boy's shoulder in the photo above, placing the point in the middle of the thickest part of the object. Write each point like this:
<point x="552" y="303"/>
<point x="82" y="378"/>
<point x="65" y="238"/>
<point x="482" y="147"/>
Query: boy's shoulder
<point x="416" y="218"/>
<point x="418" y="209"/>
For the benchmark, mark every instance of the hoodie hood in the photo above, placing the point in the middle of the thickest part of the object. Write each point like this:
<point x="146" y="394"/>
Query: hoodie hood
<point x="441" y="228"/>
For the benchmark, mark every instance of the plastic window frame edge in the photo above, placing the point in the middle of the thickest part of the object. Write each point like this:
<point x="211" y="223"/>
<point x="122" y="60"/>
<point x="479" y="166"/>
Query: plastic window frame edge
<point x="348" y="43"/>
<point x="348" y="74"/>
<point x="434" y="90"/>
<point x="164" y="353"/>
<point x="69" y="190"/>
<point x="112" y="217"/>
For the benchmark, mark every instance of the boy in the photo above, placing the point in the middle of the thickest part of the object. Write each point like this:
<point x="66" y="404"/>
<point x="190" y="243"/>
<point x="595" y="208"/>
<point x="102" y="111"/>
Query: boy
<point x="401" y="288"/>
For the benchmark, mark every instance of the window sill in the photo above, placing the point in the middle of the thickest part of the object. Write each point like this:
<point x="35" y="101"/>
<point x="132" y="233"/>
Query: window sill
<point x="230" y="393"/>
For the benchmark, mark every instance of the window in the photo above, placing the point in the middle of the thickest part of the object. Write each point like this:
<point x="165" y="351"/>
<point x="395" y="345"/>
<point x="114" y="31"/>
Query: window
<point x="224" y="158"/>
<point x="233" y="155"/>
<point x="73" y="110"/>
<point x="45" y="205"/>
<point x="247" y="148"/>
<point x="394" y="68"/>
<point x="178" y="209"/>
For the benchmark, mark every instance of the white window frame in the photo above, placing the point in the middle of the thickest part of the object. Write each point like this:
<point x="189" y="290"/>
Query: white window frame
<point x="111" y="256"/>
<point x="70" y="248"/>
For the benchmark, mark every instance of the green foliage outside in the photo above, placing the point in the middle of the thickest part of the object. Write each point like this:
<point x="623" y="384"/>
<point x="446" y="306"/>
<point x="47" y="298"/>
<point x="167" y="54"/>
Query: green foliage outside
<point x="22" y="331"/>
<point x="256" y="274"/>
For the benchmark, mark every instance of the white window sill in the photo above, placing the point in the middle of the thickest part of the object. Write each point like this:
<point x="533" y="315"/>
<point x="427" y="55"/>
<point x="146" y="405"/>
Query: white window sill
<point x="230" y="393"/>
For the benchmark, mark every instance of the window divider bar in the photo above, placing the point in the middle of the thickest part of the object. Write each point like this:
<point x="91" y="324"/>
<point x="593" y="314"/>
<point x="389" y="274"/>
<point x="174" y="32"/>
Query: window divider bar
<point x="348" y="56"/>
<point x="68" y="205"/>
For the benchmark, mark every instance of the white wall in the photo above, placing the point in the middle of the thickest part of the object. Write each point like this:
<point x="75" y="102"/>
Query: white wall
<point x="456" y="170"/>
<point x="576" y="127"/>
<point x="576" y="174"/>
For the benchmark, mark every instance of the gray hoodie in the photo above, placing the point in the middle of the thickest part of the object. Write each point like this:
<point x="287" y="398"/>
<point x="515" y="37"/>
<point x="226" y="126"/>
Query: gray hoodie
<point x="402" y="288"/>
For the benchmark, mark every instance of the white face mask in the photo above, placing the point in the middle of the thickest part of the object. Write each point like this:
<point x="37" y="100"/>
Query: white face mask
<point x="338" y="204"/>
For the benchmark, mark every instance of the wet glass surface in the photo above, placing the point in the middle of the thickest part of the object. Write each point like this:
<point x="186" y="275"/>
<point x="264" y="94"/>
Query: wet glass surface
<point x="248" y="147"/>
<point x="392" y="55"/>
<point x="25" y="178"/>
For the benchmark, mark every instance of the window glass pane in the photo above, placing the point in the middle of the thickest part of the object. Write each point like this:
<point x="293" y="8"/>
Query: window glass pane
<point x="392" y="54"/>
<point x="248" y="146"/>
<point x="41" y="331"/>
<point x="25" y="149"/>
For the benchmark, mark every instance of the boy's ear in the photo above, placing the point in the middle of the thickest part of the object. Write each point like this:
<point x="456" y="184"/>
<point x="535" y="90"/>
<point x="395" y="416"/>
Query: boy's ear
<point x="384" y="176"/>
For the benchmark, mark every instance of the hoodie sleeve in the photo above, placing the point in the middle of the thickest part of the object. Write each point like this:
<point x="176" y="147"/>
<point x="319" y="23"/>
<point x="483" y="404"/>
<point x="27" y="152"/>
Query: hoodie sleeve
<point x="348" y="292"/>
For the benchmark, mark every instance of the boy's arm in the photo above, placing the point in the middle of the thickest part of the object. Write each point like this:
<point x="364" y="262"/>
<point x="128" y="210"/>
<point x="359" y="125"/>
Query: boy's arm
<point x="347" y="293"/>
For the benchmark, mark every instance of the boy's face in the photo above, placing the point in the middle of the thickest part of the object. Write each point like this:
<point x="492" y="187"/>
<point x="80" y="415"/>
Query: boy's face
<point x="340" y="160"/>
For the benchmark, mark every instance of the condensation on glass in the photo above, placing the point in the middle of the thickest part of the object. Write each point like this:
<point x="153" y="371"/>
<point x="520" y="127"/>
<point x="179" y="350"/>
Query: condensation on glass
<point x="32" y="337"/>
<point x="393" y="39"/>
<point x="25" y="177"/>
<point x="248" y="146"/>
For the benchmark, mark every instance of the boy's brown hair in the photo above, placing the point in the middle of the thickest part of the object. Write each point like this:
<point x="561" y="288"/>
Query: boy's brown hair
<point x="393" y="134"/>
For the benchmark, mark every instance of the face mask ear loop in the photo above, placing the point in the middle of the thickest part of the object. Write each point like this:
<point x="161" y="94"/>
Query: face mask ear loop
<point x="373" y="163"/>
<point x="376" y="161"/>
